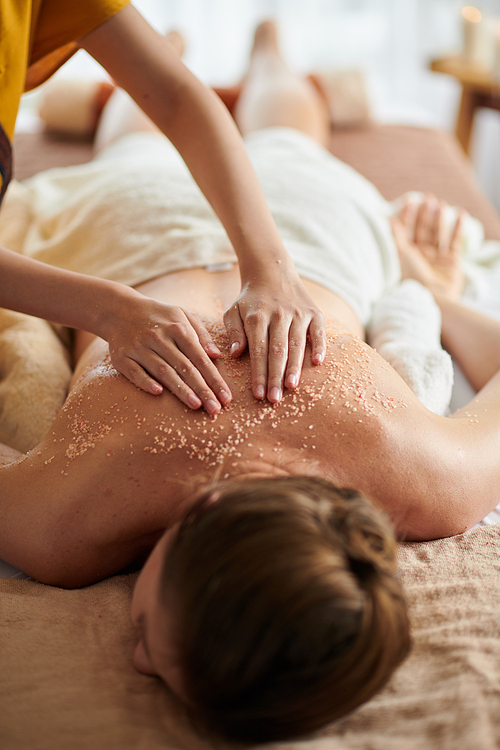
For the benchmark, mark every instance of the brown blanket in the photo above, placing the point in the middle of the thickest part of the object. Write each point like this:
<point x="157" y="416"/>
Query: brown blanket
<point x="66" y="680"/>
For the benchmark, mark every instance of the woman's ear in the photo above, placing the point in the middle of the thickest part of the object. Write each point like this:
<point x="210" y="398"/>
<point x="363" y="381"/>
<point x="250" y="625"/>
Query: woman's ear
<point x="213" y="497"/>
<point x="141" y="660"/>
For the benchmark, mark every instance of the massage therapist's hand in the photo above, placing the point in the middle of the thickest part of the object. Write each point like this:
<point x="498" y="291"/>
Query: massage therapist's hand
<point x="274" y="315"/>
<point x="156" y="345"/>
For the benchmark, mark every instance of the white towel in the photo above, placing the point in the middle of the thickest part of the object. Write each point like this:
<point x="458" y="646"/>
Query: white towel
<point x="405" y="329"/>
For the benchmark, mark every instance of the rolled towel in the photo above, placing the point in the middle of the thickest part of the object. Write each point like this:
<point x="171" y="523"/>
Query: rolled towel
<point x="73" y="107"/>
<point x="405" y="329"/>
<point x="346" y="95"/>
<point x="34" y="379"/>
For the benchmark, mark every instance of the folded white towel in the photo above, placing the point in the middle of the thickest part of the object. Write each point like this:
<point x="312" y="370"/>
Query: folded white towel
<point x="405" y="329"/>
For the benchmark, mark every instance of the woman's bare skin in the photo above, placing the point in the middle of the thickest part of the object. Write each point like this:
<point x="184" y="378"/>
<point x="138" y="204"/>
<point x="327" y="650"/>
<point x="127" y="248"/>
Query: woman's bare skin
<point x="118" y="466"/>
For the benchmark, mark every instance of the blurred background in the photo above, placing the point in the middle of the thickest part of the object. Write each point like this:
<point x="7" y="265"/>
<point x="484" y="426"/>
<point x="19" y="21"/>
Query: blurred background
<point x="392" y="41"/>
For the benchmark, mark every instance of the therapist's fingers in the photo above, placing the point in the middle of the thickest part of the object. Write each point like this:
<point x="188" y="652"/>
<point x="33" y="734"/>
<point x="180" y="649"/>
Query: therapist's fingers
<point x="258" y="345"/>
<point x="172" y="382"/>
<point x="189" y="378"/>
<point x="174" y="358"/>
<point x="235" y="330"/>
<point x="252" y="332"/>
<point x="204" y="337"/>
<point x="317" y="334"/>
<point x="278" y="353"/>
<point x="138" y="376"/>
<point x="297" y="340"/>
<point x="286" y="350"/>
<point x="196" y="369"/>
<point x="276" y="323"/>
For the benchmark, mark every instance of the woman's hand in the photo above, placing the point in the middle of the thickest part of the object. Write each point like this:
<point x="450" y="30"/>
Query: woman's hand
<point x="274" y="315"/>
<point x="156" y="345"/>
<point x="429" y="249"/>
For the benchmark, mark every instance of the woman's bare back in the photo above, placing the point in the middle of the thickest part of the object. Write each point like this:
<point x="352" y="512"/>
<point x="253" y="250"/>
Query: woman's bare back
<point x="119" y="465"/>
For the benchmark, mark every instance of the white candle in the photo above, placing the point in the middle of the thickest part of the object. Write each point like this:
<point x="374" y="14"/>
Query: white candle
<point x="496" y="65"/>
<point x="478" y="41"/>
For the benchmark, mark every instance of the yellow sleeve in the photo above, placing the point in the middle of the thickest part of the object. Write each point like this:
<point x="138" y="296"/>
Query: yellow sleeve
<point x="57" y="25"/>
<point x="37" y="37"/>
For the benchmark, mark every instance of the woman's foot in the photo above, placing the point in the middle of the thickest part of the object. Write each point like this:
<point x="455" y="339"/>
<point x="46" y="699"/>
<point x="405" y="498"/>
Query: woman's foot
<point x="429" y="249"/>
<point x="176" y="40"/>
<point x="266" y="38"/>
<point x="273" y="96"/>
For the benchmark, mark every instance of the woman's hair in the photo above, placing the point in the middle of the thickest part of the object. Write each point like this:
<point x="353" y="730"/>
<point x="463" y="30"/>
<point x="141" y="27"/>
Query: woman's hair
<point x="291" y="614"/>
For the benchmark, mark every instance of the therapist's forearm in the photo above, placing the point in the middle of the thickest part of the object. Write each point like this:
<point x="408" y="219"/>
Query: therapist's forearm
<point x="229" y="183"/>
<point x="54" y="294"/>
<point x="200" y="127"/>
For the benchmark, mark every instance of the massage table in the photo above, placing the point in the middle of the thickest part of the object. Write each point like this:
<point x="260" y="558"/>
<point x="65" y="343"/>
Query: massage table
<point x="66" y="678"/>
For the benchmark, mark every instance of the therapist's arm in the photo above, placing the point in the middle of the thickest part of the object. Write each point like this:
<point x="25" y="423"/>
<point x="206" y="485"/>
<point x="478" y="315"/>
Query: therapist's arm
<point x="150" y="343"/>
<point x="274" y="314"/>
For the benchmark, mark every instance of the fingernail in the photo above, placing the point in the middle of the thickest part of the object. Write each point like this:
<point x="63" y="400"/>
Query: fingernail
<point x="292" y="381"/>
<point x="213" y="349"/>
<point x="225" y="397"/>
<point x="318" y="359"/>
<point x="234" y="347"/>
<point x="260" y="392"/>
<point x="212" y="407"/>
<point x="156" y="389"/>
<point x="193" y="401"/>
<point x="275" y="395"/>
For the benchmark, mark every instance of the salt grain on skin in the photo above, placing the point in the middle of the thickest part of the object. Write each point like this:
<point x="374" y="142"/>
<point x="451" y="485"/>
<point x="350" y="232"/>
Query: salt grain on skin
<point x="349" y="389"/>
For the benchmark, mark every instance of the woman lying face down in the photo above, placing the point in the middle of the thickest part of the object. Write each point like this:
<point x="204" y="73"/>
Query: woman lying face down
<point x="273" y="608"/>
<point x="270" y="605"/>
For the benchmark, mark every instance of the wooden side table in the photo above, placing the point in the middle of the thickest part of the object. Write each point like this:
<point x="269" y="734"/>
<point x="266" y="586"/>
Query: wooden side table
<point x="479" y="89"/>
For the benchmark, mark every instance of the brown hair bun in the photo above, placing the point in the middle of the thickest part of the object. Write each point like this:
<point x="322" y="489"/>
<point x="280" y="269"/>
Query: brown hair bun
<point x="291" y="612"/>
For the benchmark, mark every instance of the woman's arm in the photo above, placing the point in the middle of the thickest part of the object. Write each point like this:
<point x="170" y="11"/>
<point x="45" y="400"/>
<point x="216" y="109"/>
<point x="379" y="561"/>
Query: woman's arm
<point x="274" y="313"/>
<point x="473" y="340"/>
<point x="430" y="252"/>
<point x="149" y="342"/>
<point x="465" y="474"/>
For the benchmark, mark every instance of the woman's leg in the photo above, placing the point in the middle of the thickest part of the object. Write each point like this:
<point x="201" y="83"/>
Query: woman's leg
<point x="121" y="115"/>
<point x="271" y="96"/>
<point x="274" y="96"/>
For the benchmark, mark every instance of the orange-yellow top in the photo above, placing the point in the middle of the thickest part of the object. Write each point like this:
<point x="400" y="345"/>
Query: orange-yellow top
<point x="36" y="38"/>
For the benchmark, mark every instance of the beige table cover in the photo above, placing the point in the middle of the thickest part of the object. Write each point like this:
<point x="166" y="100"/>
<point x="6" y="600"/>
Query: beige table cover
<point x="67" y="683"/>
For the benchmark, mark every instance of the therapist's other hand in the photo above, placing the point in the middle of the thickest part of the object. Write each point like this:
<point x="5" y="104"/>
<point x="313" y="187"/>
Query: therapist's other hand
<point x="157" y="345"/>
<point x="274" y="316"/>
